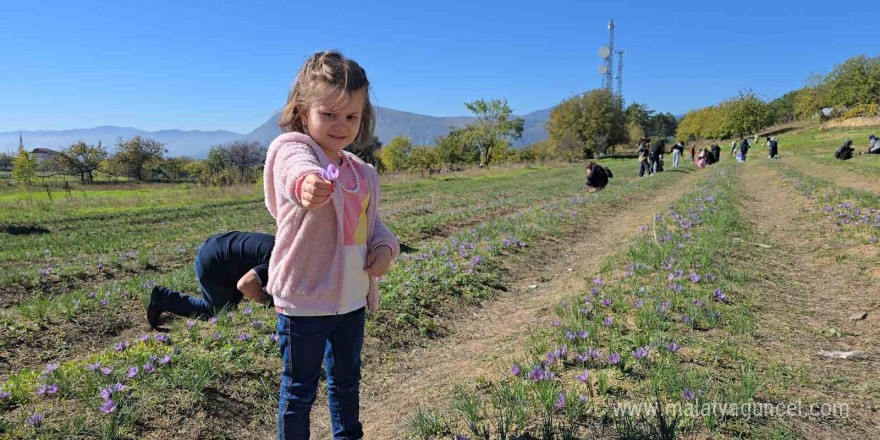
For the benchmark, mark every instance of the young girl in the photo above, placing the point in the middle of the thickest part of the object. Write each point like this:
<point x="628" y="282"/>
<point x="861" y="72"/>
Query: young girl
<point x="330" y="246"/>
<point x="702" y="160"/>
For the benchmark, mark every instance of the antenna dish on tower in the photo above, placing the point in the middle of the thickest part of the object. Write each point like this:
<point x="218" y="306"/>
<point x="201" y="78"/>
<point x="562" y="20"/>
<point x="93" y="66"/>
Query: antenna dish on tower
<point x="603" y="70"/>
<point x="604" y="52"/>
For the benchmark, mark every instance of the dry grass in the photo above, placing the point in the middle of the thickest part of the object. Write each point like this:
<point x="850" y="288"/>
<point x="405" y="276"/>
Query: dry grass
<point x="865" y="121"/>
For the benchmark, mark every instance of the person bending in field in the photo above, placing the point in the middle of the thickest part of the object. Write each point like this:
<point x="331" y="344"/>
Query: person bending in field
<point x="597" y="177"/>
<point x="845" y="152"/>
<point x="228" y="267"/>
<point x="874" y="146"/>
<point x="715" y="149"/>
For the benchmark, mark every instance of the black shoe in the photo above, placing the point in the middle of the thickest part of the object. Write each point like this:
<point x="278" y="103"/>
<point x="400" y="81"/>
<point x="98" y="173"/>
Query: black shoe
<point x="154" y="311"/>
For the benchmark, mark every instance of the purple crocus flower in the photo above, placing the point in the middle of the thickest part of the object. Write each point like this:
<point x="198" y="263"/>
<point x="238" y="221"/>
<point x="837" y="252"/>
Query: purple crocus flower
<point x="695" y="277"/>
<point x="685" y="319"/>
<point x="274" y="337"/>
<point x="144" y="338"/>
<point x="613" y="358"/>
<point x="50" y="368"/>
<point x="608" y="321"/>
<point x="36" y="420"/>
<point x="638" y="304"/>
<point x="149" y="368"/>
<point x="583" y="398"/>
<point x="688" y="394"/>
<point x="247" y="311"/>
<point x="213" y="320"/>
<point x="673" y="347"/>
<point x="243" y="337"/>
<point x="583" y="334"/>
<point x="583" y="377"/>
<point x="161" y="338"/>
<point x="106" y="370"/>
<point x="720" y="296"/>
<point x="95" y="366"/>
<point x="560" y="401"/>
<point x="104" y="302"/>
<point x="108" y="407"/>
<point x="121" y="346"/>
<point x="133" y="371"/>
<point x="47" y="390"/>
<point x="331" y="173"/>
<point x="190" y="324"/>
<point x="5" y="395"/>
<point x="165" y="359"/>
<point x="257" y="324"/>
<point x="597" y="281"/>
<point x="515" y="370"/>
<point x="698" y="302"/>
<point x="606" y="302"/>
<point x="640" y="352"/>
<point x="555" y="323"/>
<point x="216" y="336"/>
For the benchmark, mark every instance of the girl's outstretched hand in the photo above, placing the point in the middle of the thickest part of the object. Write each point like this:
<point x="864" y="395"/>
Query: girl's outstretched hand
<point x="378" y="262"/>
<point x="315" y="191"/>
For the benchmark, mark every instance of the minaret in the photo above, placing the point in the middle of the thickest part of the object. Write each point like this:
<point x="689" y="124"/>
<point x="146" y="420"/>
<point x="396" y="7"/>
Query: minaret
<point x="20" y="142"/>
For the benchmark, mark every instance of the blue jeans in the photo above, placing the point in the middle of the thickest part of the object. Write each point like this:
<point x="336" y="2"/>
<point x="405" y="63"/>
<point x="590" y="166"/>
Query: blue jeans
<point x="215" y="296"/>
<point x="304" y="343"/>
<point x="676" y="156"/>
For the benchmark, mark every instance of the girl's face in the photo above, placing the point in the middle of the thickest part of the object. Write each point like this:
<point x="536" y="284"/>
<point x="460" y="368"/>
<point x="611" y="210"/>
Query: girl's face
<point x="332" y="125"/>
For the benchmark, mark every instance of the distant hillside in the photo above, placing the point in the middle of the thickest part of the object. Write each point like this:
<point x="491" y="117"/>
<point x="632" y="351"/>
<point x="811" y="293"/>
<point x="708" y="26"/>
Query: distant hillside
<point x="421" y="129"/>
<point x="191" y="143"/>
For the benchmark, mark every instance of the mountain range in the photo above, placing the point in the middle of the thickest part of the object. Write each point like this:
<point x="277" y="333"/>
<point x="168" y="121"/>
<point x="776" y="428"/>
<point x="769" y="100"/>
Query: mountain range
<point x="422" y="129"/>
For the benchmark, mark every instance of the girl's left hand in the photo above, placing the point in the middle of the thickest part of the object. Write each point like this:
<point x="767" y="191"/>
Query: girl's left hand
<point x="378" y="262"/>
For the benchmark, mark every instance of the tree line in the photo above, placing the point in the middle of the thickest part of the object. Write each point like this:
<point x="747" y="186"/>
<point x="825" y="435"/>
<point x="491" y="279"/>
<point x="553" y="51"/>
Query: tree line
<point x="851" y="89"/>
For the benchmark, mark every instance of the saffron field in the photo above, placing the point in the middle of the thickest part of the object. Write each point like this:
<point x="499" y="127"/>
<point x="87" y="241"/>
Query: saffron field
<point x="722" y="294"/>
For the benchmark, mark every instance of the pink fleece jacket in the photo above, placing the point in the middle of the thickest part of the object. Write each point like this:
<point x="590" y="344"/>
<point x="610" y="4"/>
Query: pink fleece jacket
<point x="306" y="268"/>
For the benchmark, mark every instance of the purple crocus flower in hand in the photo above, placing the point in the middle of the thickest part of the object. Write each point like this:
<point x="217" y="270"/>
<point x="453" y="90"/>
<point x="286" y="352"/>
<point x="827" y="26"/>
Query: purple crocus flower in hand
<point x="331" y="173"/>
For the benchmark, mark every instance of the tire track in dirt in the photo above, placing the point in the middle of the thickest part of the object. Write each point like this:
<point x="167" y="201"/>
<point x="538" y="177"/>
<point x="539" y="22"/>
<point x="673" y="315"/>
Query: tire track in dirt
<point x="806" y="290"/>
<point x="479" y="345"/>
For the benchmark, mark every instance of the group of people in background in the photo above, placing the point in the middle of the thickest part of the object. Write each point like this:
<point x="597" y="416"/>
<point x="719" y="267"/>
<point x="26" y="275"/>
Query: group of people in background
<point x="846" y="150"/>
<point x="650" y="156"/>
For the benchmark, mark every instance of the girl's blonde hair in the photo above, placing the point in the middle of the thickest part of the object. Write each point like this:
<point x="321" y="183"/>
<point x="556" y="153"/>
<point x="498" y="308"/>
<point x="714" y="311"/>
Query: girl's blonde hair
<point x="323" y="74"/>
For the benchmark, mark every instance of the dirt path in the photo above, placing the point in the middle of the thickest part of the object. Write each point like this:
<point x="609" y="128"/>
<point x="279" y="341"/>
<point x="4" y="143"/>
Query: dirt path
<point x="483" y="343"/>
<point x="811" y="284"/>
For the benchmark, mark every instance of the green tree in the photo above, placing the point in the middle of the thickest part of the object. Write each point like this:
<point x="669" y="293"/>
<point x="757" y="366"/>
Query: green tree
<point x="855" y="81"/>
<point x="395" y="155"/>
<point x="494" y="129"/>
<point x="782" y="108"/>
<point x="591" y="122"/>
<point x="136" y="152"/>
<point x="83" y="159"/>
<point x="218" y="159"/>
<point x="810" y="101"/>
<point x="24" y="167"/>
<point x="748" y="114"/>
<point x="423" y="159"/>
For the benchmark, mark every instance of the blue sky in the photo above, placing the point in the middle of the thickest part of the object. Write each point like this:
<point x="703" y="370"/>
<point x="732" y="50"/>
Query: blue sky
<point x="210" y="65"/>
